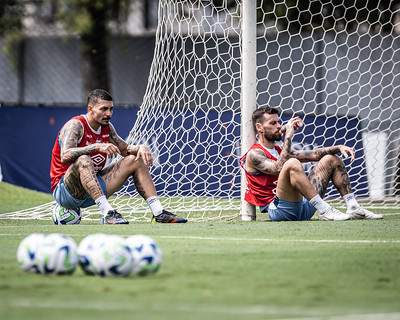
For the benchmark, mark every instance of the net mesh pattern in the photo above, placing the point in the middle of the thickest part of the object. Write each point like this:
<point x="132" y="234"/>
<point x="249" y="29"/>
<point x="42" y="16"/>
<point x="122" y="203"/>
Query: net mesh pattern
<point x="334" y="65"/>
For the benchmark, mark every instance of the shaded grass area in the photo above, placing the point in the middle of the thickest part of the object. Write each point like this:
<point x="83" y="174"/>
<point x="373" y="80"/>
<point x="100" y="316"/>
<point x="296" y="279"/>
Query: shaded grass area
<point x="218" y="270"/>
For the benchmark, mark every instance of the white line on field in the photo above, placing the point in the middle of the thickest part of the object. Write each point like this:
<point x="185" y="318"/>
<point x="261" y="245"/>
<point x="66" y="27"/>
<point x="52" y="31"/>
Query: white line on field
<point x="313" y="314"/>
<point x="238" y="239"/>
<point x="279" y="240"/>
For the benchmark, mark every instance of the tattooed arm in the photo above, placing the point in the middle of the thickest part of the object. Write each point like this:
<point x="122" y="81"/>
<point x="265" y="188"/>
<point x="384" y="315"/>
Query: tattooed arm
<point x="317" y="154"/>
<point x="70" y="135"/>
<point x="256" y="159"/>
<point x="126" y="149"/>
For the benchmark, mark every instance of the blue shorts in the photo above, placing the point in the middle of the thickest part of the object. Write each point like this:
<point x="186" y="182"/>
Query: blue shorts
<point x="64" y="198"/>
<point x="284" y="210"/>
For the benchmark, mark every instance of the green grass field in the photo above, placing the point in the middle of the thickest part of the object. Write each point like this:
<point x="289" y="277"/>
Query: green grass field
<point x="215" y="270"/>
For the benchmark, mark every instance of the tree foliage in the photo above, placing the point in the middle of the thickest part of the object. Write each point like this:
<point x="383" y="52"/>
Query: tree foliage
<point x="11" y="14"/>
<point x="91" y="20"/>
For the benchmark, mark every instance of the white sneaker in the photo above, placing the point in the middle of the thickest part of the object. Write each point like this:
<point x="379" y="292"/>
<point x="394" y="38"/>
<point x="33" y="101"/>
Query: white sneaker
<point x="361" y="213"/>
<point x="334" y="215"/>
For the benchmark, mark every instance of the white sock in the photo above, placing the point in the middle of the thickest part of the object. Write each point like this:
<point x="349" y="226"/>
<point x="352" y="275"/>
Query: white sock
<point x="155" y="205"/>
<point x="319" y="204"/>
<point x="104" y="205"/>
<point x="350" y="201"/>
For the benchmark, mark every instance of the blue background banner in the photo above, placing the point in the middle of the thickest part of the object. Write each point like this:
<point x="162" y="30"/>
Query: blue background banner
<point x="28" y="135"/>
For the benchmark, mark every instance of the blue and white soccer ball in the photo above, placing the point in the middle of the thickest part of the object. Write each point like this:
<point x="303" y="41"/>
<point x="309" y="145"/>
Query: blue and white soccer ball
<point x="61" y="215"/>
<point x="27" y="251"/>
<point x="112" y="257"/>
<point x="87" y="249"/>
<point x="147" y="255"/>
<point x="57" y="254"/>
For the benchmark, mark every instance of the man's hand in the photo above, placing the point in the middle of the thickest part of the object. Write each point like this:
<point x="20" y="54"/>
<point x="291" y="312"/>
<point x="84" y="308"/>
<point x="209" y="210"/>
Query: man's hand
<point x="144" y="152"/>
<point x="291" y="127"/>
<point x="347" y="151"/>
<point x="108" y="148"/>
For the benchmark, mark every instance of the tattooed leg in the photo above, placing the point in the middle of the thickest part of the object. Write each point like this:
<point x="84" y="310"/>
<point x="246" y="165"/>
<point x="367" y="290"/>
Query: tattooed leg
<point x="330" y="168"/>
<point x="80" y="179"/>
<point x="117" y="174"/>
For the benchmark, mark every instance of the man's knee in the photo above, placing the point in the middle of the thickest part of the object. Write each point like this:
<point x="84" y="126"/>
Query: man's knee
<point x="331" y="160"/>
<point x="134" y="164"/>
<point x="292" y="164"/>
<point x="84" y="161"/>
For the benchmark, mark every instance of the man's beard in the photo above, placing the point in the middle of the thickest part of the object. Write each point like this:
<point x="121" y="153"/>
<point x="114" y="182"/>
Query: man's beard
<point x="273" y="137"/>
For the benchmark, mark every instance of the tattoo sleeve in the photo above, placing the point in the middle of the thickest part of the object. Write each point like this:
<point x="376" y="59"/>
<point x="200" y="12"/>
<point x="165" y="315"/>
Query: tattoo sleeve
<point x="260" y="161"/>
<point x="316" y="154"/>
<point x="118" y="141"/>
<point x="70" y="136"/>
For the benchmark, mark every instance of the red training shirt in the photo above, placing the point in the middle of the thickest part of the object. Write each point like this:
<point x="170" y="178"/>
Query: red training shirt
<point x="58" y="170"/>
<point x="261" y="187"/>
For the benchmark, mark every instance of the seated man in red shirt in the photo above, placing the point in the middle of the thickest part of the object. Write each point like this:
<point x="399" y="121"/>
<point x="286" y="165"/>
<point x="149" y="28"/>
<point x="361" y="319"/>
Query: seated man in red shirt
<point x="277" y="183"/>
<point x="78" y="174"/>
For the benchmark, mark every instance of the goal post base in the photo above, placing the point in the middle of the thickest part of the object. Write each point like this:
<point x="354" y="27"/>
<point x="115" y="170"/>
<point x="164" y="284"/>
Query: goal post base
<point x="248" y="211"/>
<point x="246" y="217"/>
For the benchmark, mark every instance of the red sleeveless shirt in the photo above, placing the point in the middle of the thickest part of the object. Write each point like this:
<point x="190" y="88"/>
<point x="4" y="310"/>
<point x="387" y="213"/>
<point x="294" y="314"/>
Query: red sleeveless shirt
<point x="58" y="169"/>
<point x="261" y="187"/>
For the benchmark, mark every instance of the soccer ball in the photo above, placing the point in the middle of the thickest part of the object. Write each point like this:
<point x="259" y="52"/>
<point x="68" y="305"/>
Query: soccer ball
<point x="87" y="249"/>
<point x="112" y="257"/>
<point x="57" y="254"/>
<point x="26" y="252"/>
<point x="147" y="255"/>
<point x="61" y="215"/>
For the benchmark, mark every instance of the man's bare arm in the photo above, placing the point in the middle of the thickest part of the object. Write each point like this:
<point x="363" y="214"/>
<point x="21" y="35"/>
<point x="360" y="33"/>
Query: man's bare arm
<point x="256" y="160"/>
<point x="69" y="136"/>
<point x="119" y="142"/>
<point x="140" y="151"/>
<point x="317" y="154"/>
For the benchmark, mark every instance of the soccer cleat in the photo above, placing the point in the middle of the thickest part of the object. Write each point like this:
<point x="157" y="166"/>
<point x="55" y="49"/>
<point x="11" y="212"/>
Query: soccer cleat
<point x="113" y="217"/>
<point x="167" y="217"/>
<point x="333" y="214"/>
<point x="361" y="213"/>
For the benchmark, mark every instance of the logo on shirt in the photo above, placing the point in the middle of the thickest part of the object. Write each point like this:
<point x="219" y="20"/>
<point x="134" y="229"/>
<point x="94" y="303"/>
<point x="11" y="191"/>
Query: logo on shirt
<point x="98" y="158"/>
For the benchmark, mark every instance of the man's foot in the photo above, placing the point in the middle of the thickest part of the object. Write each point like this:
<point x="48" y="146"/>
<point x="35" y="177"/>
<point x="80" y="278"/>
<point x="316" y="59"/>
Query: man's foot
<point x="361" y="213"/>
<point x="334" y="215"/>
<point x="168" y="217"/>
<point x="113" y="217"/>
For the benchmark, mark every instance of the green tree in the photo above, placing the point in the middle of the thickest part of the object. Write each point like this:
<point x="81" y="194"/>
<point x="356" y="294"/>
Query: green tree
<point x="90" y="19"/>
<point x="11" y="13"/>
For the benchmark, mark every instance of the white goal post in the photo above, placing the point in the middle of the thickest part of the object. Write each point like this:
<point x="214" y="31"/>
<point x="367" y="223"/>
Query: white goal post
<point x="335" y="65"/>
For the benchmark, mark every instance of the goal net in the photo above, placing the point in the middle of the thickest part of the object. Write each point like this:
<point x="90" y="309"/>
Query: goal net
<point x="335" y="64"/>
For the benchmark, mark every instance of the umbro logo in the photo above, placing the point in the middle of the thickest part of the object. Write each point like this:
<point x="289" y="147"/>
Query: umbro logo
<point x="98" y="158"/>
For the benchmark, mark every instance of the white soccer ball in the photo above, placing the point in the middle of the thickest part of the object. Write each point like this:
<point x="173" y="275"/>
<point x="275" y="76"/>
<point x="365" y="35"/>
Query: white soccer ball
<point x="112" y="257"/>
<point x="57" y="254"/>
<point x="147" y="255"/>
<point x="87" y="249"/>
<point x="27" y="250"/>
<point x="61" y="215"/>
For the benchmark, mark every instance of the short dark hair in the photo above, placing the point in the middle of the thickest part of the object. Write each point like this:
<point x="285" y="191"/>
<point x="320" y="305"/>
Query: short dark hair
<point x="258" y="114"/>
<point x="96" y="95"/>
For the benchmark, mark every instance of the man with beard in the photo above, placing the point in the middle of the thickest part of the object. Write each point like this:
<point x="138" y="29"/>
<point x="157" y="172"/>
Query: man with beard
<point x="79" y="175"/>
<point x="277" y="183"/>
